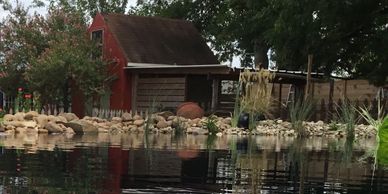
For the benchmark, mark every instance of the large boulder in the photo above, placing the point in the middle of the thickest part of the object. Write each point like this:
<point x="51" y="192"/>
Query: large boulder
<point x="69" y="116"/>
<point x="9" y="117"/>
<point x="162" y="124"/>
<point x="81" y="126"/>
<point x="139" y="122"/>
<point x="30" y="115"/>
<point x="42" y="120"/>
<point x="19" y="116"/>
<point x="190" y="110"/>
<point x="53" y="127"/>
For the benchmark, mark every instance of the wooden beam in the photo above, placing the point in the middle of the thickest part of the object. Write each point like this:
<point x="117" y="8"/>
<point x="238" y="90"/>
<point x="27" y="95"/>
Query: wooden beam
<point x="280" y="100"/>
<point x="215" y="92"/>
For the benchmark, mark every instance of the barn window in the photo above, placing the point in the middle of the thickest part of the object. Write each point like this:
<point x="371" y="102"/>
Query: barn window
<point x="97" y="37"/>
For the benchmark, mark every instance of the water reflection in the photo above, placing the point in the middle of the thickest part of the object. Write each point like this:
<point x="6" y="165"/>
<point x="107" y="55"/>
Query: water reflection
<point x="134" y="163"/>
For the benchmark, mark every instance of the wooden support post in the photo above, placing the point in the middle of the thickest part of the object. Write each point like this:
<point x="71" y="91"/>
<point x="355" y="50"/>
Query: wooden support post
<point x="215" y="92"/>
<point x="308" y="76"/>
<point x="135" y="78"/>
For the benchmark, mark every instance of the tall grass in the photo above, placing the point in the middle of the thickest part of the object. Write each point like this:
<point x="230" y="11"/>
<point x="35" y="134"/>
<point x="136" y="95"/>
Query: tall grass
<point x="301" y="111"/>
<point x="347" y="114"/>
<point x="375" y="122"/>
<point x="237" y="110"/>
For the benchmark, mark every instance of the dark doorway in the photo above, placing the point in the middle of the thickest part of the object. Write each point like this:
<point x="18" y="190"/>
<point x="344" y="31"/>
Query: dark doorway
<point x="199" y="90"/>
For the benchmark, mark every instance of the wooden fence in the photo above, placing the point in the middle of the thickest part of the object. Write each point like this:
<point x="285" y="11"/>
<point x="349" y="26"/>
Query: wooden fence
<point x="328" y="111"/>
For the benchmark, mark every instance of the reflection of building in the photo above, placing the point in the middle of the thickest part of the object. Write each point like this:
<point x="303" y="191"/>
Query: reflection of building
<point x="111" y="170"/>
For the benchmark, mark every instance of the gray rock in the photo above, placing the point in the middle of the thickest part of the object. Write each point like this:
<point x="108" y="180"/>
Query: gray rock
<point x="170" y="118"/>
<point x="29" y="124"/>
<point x="42" y="120"/>
<point x="162" y="124"/>
<point x="69" y="116"/>
<point x="52" y="127"/>
<point x="14" y="123"/>
<point x="9" y="117"/>
<point x="30" y="115"/>
<point x="126" y="117"/>
<point x="61" y="119"/>
<point x="137" y="117"/>
<point x="166" y="114"/>
<point x="81" y="126"/>
<point x="227" y="121"/>
<point x="116" y="120"/>
<point x="52" y="118"/>
<point x="138" y="122"/>
<point x="19" y="116"/>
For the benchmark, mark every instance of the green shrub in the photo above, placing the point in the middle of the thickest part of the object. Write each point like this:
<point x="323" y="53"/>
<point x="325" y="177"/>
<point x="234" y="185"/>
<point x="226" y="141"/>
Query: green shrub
<point x="211" y="125"/>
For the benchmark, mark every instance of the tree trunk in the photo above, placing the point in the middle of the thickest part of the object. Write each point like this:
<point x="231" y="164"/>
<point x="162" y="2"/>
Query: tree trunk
<point x="261" y="57"/>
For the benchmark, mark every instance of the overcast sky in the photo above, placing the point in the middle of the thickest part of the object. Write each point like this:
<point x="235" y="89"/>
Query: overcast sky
<point x="40" y="10"/>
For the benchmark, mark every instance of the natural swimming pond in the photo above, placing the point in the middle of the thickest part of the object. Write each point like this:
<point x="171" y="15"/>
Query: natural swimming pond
<point x="135" y="163"/>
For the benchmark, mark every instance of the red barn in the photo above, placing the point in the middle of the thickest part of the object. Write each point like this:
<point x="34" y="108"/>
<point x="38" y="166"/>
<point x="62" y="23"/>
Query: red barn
<point x="158" y="62"/>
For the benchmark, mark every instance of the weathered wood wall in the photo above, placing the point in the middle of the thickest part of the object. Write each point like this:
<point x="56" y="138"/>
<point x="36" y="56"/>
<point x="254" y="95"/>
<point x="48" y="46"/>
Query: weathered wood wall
<point x="351" y="89"/>
<point x="160" y="93"/>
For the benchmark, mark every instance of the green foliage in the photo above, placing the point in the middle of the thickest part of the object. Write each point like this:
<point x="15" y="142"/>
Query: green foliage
<point x="211" y="125"/>
<point x="382" y="153"/>
<point x="383" y="131"/>
<point x="333" y="126"/>
<point x="49" y="55"/>
<point x="301" y="111"/>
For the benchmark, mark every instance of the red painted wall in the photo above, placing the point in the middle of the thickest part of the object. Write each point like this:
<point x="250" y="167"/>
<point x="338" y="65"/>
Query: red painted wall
<point x="121" y="87"/>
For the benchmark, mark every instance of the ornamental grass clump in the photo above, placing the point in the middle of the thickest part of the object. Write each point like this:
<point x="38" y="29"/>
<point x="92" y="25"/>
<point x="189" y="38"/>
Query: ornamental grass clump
<point x="347" y="114"/>
<point x="375" y="122"/>
<point x="256" y="94"/>
<point x="301" y="111"/>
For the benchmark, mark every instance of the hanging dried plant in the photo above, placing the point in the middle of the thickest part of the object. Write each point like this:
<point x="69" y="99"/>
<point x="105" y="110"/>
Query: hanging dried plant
<point x="256" y="92"/>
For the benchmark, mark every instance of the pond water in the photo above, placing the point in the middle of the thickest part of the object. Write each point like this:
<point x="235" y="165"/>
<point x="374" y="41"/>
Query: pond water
<point x="135" y="163"/>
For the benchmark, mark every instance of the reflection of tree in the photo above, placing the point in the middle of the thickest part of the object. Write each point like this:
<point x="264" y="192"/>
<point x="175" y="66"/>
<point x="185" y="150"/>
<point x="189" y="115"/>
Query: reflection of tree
<point x="53" y="172"/>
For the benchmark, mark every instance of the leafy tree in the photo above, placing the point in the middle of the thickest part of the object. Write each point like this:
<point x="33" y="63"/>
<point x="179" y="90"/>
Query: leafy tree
<point x="68" y="61"/>
<point x="50" y="55"/>
<point x="346" y="37"/>
<point x="20" y="41"/>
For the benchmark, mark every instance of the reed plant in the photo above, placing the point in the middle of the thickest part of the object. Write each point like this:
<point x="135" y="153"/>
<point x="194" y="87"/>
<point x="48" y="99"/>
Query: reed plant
<point x="301" y="111"/>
